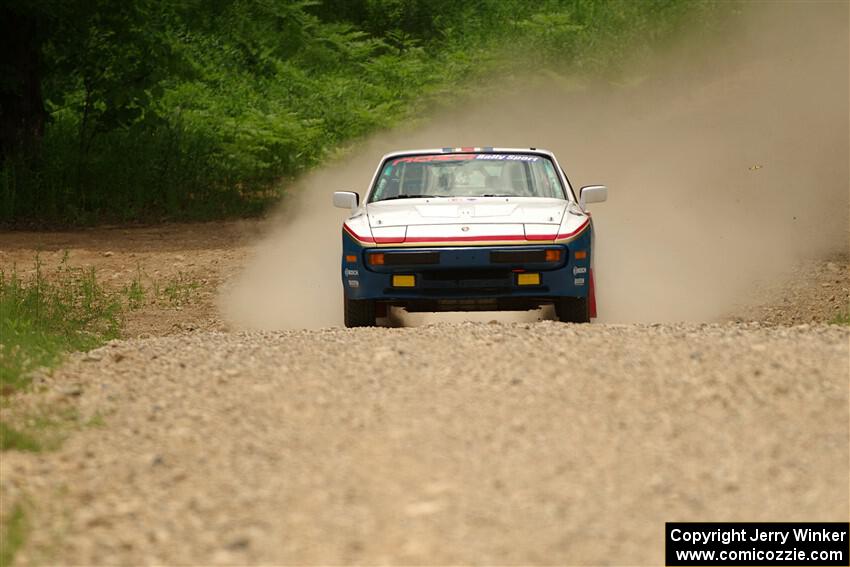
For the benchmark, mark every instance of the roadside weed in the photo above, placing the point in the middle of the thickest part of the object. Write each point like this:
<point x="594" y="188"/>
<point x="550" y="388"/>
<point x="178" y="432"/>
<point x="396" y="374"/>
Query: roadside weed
<point x="842" y="318"/>
<point x="42" y="317"/>
<point x="135" y="291"/>
<point x="13" y="533"/>
<point x="12" y="439"/>
<point x="180" y="290"/>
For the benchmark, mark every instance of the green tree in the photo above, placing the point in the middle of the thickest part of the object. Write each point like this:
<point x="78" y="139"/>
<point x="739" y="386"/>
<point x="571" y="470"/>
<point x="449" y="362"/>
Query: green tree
<point x="23" y="30"/>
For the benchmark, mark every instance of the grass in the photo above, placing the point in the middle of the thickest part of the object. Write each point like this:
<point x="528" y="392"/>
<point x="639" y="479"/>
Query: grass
<point x="179" y="290"/>
<point x="43" y="317"/>
<point x="13" y="535"/>
<point x="97" y="420"/>
<point x="12" y="439"/>
<point x="135" y="291"/>
<point x="842" y="318"/>
<point x="42" y="428"/>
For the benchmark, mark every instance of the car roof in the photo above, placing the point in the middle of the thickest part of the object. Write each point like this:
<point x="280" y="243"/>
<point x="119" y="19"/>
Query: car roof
<point x="469" y="150"/>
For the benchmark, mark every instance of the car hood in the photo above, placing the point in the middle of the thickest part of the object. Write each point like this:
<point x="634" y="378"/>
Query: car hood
<point x="465" y="218"/>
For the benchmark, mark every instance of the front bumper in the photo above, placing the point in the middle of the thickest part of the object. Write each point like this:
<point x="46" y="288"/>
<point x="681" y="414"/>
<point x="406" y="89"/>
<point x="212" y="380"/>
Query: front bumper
<point x="467" y="278"/>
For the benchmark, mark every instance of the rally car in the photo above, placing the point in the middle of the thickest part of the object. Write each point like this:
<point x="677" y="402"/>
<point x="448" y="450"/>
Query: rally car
<point x="468" y="229"/>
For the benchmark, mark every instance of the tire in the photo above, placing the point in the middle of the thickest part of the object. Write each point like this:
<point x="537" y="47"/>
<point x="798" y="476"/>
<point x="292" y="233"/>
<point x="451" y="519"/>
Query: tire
<point x="572" y="309"/>
<point x="359" y="312"/>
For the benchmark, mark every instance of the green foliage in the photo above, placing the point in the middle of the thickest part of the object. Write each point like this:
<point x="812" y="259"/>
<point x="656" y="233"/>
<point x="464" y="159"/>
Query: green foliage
<point x="97" y="420"/>
<point x="41" y="318"/>
<point x="204" y="108"/>
<point x="135" y="291"/>
<point x="179" y="290"/>
<point x="39" y="429"/>
<point x="12" y="534"/>
<point x="842" y="318"/>
<point x="12" y="439"/>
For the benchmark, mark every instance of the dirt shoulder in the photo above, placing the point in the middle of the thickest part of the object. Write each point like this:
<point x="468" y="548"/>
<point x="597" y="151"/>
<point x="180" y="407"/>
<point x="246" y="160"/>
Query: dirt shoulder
<point x="179" y="266"/>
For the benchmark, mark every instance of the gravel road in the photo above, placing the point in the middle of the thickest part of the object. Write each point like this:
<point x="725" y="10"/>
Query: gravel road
<point x="478" y="443"/>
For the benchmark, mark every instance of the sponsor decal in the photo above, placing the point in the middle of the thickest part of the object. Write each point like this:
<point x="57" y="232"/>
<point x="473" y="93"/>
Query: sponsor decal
<point x="579" y="281"/>
<point x="351" y="272"/>
<point x="464" y="157"/>
<point x="440" y="157"/>
<point x="579" y="270"/>
<point x="353" y="283"/>
<point x="507" y="157"/>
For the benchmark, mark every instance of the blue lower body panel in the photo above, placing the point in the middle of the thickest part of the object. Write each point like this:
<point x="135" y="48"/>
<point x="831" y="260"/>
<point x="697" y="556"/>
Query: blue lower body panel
<point x="468" y="278"/>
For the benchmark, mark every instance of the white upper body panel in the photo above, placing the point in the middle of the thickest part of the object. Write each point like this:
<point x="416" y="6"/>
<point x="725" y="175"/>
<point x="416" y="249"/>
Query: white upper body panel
<point x="467" y="210"/>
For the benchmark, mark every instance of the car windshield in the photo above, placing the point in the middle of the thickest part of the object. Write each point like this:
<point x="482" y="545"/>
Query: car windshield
<point x="468" y="175"/>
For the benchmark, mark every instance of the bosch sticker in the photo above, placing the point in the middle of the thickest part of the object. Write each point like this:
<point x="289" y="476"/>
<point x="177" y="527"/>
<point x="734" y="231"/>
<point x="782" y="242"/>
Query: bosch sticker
<point x="349" y="272"/>
<point x="579" y="270"/>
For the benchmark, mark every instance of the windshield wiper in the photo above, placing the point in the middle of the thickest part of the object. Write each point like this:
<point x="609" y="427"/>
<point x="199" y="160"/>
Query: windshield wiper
<point x="495" y="195"/>
<point x="409" y="197"/>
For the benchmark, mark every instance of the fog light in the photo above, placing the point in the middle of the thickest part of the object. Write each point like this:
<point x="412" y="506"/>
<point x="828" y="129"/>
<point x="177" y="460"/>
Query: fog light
<point x="581" y="254"/>
<point x="404" y="281"/>
<point x="351" y="259"/>
<point x="528" y="279"/>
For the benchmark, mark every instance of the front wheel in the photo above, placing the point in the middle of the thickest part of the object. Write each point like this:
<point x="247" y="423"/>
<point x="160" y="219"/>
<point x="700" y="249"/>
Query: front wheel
<point x="359" y="312"/>
<point x="572" y="309"/>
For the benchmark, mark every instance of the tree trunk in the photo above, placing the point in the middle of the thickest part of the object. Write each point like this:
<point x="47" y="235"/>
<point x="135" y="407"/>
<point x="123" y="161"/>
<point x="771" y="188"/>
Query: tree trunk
<point x="22" y="112"/>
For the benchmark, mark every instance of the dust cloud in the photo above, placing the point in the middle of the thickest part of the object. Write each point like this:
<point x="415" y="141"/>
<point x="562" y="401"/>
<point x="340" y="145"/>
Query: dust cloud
<point x="727" y="167"/>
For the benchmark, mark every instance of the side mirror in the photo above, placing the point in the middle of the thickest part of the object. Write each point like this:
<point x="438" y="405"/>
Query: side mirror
<point x="346" y="200"/>
<point x="592" y="194"/>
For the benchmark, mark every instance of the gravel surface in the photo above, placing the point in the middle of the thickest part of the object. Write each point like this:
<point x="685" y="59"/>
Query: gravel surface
<point x="538" y="443"/>
<point x="817" y="292"/>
